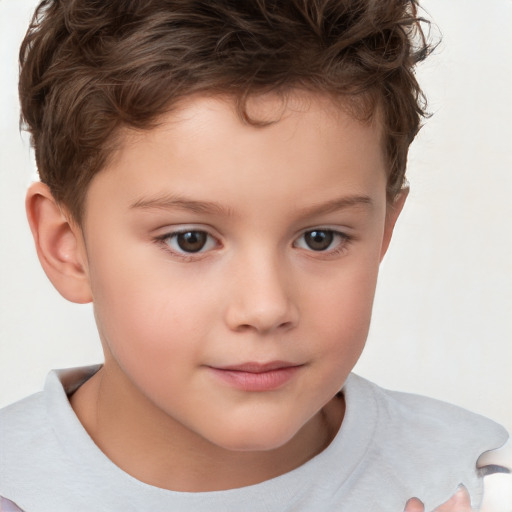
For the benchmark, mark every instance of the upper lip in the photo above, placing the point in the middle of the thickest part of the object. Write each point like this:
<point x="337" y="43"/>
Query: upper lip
<point x="254" y="367"/>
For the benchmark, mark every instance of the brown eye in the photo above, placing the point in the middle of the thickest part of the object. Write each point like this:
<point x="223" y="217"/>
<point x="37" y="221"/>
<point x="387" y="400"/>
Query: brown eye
<point x="318" y="239"/>
<point x="191" y="241"/>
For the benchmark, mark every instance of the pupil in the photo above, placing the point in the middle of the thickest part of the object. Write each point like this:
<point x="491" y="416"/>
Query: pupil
<point x="319" y="240"/>
<point x="191" y="241"/>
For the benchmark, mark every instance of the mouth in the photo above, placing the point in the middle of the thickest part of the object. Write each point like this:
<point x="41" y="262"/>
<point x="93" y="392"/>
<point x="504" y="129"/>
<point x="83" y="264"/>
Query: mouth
<point x="252" y="376"/>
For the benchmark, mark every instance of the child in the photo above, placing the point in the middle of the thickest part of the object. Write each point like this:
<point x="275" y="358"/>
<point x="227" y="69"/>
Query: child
<point x="221" y="179"/>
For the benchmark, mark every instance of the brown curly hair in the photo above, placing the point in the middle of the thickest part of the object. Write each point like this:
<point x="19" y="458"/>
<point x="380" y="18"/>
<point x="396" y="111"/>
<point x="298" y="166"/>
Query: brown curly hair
<point x="90" y="67"/>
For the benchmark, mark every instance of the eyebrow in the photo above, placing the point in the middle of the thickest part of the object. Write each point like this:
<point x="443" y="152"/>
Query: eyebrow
<point x="168" y="202"/>
<point x="337" y="204"/>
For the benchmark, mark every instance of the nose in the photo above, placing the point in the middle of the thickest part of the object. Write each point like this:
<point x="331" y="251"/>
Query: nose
<point x="262" y="298"/>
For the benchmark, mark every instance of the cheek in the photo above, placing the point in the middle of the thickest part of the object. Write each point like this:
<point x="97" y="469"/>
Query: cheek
<point x="153" y="339"/>
<point x="147" y="316"/>
<point x="341" y="314"/>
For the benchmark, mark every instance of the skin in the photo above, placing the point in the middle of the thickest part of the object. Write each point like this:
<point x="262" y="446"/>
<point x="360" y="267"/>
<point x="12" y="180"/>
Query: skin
<point x="170" y="319"/>
<point x="460" y="502"/>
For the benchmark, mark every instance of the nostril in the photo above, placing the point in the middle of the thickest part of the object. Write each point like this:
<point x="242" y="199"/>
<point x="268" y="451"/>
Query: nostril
<point x="263" y="306"/>
<point x="244" y="327"/>
<point x="260" y="327"/>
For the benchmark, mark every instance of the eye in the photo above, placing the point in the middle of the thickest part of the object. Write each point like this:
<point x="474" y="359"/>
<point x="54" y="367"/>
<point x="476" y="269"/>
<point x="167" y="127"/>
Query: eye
<point x="321" y="240"/>
<point x="190" y="241"/>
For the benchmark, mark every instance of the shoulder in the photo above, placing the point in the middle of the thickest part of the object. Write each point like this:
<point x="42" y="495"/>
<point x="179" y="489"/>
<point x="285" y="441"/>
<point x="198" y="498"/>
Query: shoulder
<point x="23" y="427"/>
<point x="29" y="428"/>
<point x="23" y="438"/>
<point x="400" y="412"/>
<point x="428" y="427"/>
<point x="422" y="445"/>
<point x="37" y="439"/>
<point x="18" y="422"/>
<point x="430" y="419"/>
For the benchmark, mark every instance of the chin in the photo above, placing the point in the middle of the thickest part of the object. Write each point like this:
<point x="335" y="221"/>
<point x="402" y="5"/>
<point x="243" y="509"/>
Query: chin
<point x="254" y="439"/>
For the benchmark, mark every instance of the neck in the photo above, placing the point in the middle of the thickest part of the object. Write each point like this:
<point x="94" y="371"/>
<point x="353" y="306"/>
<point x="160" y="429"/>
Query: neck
<point x="158" y="450"/>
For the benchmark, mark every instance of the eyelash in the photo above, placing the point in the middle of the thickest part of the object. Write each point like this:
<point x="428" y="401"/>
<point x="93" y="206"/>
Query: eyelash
<point x="166" y="239"/>
<point x="343" y="242"/>
<point x="341" y="246"/>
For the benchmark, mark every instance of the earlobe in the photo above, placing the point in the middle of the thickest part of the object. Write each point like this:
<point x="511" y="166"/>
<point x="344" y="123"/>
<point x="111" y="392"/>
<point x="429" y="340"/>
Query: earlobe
<point x="59" y="244"/>
<point x="393" y="211"/>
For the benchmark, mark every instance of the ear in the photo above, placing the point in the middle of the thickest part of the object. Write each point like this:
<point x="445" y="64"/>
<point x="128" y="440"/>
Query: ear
<point x="392" y="213"/>
<point x="59" y="244"/>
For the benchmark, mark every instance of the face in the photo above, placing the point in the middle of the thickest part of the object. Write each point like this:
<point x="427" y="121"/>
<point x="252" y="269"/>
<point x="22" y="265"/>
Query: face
<point x="233" y="267"/>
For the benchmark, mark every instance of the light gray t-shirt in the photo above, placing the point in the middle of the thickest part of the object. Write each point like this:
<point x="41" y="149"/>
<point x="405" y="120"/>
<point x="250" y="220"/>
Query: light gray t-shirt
<point x="391" y="447"/>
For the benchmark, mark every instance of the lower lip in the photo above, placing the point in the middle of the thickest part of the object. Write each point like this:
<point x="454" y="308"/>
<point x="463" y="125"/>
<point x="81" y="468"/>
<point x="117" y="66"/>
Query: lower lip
<point x="264" y="381"/>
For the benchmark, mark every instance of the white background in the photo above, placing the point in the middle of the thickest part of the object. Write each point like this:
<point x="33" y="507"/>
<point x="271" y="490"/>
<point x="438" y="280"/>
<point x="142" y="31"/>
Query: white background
<point x="443" y="315"/>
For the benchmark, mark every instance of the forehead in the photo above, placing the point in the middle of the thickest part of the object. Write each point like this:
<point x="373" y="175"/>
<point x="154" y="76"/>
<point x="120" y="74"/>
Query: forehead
<point x="196" y="112"/>
<point x="295" y="145"/>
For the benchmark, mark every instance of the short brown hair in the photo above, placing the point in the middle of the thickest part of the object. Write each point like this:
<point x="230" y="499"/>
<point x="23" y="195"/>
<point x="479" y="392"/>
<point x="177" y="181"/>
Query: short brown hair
<point x="90" y="67"/>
